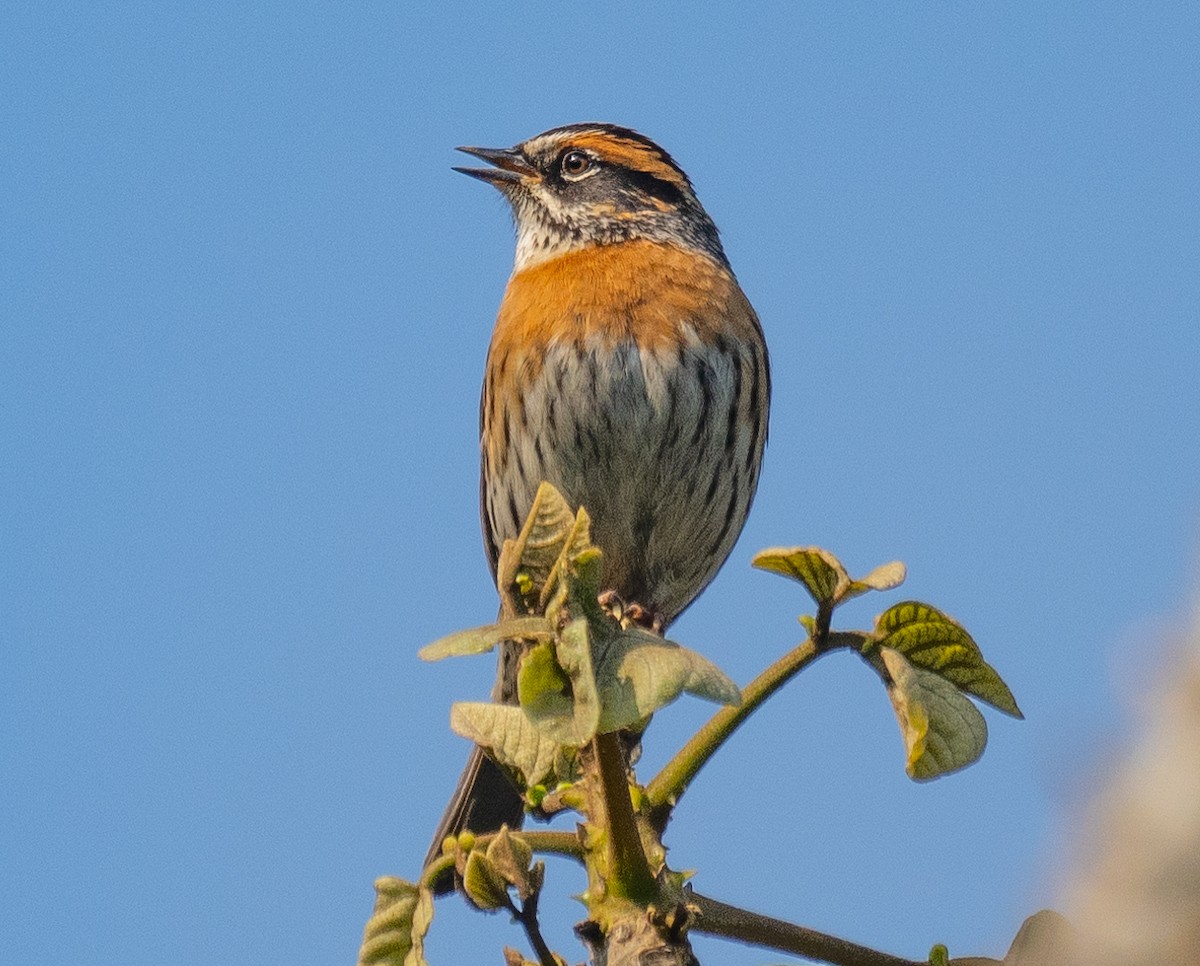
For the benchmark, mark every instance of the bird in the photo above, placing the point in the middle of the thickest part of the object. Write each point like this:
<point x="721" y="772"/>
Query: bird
<point x="628" y="369"/>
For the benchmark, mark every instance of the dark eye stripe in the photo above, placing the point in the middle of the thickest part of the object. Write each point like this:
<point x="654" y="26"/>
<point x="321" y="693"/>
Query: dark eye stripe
<point x="628" y="150"/>
<point x="654" y="187"/>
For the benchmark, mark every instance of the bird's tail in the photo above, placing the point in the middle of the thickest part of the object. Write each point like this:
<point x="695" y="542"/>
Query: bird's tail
<point x="484" y="800"/>
<point x="485" y="797"/>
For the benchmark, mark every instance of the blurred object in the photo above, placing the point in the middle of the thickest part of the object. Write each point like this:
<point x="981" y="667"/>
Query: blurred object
<point x="1134" y="896"/>
<point x="1044" y="939"/>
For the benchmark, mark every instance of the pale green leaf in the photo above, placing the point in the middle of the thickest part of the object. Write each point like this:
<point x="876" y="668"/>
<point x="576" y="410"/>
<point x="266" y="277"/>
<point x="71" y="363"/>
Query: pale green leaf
<point x="884" y="577"/>
<point x="506" y="731"/>
<point x="512" y="858"/>
<point x="636" y="677"/>
<point x="942" y="730"/>
<point x="639" y="672"/>
<point x="576" y="548"/>
<point x="422" y="920"/>
<point x="395" y="933"/>
<point x="936" y="642"/>
<point x="585" y="580"/>
<point x="537" y="547"/>
<point x="706" y="680"/>
<point x="821" y="573"/>
<point x="481" y="639"/>
<point x="574" y="652"/>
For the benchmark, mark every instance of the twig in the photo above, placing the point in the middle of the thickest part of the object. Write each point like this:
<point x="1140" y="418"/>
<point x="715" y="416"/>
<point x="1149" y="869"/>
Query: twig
<point x="566" y="844"/>
<point x="553" y="843"/>
<point x="670" y="783"/>
<point x="526" y="915"/>
<point x="730" y="922"/>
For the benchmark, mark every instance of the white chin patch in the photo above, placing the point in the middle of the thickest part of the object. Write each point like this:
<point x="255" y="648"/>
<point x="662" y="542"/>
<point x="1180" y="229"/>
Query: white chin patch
<point x="541" y="234"/>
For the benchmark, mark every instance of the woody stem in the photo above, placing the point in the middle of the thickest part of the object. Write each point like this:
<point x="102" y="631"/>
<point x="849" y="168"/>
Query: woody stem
<point x="668" y="785"/>
<point x="718" y="919"/>
<point x="628" y="873"/>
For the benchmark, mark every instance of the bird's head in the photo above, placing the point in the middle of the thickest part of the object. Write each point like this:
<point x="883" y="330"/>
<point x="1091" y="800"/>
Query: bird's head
<point x="594" y="184"/>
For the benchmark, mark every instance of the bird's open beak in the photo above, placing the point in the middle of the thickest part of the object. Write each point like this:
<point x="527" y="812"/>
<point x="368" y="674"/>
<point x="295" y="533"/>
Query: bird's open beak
<point x="511" y="166"/>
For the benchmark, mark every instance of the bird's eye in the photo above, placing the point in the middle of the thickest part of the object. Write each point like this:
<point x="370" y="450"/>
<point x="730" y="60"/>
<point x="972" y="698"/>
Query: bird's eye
<point x="575" y="163"/>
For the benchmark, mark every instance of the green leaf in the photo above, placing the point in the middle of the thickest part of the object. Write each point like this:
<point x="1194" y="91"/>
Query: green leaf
<point x="557" y="690"/>
<point x="639" y="672"/>
<point x="506" y="732"/>
<point x="512" y="858"/>
<point x="543" y="687"/>
<point x="483" y="884"/>
<point x="482" y="639"/>
<point x="942" y="730"/>
<point x="935" y="642"/>
<point x="395" y="933"/>
<point x="821" y="573"/>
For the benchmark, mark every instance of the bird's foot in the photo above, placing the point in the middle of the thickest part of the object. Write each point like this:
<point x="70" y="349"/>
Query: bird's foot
<point x="630" y="612"/>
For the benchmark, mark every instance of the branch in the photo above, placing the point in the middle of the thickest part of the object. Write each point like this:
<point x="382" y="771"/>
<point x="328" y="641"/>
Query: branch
<point x="526" y="915"/>
<point x="628" y="873"/>
<point x="554" y="843"/>
<point x="566" y="844"/>
<point x="718" y="919"/>
<point x="669" y="784"/>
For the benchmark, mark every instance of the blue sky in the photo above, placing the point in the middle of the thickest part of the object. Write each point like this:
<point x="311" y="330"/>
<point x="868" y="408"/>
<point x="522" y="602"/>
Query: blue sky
<point x="244" y="305"/>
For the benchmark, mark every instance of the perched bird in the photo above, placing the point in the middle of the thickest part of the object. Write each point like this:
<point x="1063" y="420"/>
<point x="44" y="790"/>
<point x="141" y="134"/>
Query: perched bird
<point x="628" y="369"/>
